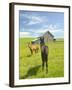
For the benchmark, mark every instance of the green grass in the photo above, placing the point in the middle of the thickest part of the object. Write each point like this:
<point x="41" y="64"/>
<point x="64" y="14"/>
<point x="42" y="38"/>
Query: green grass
<point x="31" y="66"/>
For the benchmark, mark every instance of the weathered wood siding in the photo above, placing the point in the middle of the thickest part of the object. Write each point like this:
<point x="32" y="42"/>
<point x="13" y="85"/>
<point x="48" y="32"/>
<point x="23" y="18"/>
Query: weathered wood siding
<point x="48" y="37"/>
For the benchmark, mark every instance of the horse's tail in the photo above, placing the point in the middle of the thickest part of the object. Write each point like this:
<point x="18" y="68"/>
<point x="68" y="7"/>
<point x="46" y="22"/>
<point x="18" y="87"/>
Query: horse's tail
<point x="46" y="50"/>
<point x="44" y="53"/>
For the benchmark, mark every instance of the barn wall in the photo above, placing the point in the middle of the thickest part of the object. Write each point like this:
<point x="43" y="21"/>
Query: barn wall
<point x="48" y="37"/>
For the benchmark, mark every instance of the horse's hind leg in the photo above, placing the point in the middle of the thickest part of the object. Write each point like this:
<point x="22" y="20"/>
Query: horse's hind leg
<point x="46" y="67"/>
<point x="43" y="65"/>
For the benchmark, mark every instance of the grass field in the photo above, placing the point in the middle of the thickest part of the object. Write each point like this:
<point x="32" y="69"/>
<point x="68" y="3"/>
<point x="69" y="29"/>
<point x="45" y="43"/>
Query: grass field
<point x="31" y="66"/>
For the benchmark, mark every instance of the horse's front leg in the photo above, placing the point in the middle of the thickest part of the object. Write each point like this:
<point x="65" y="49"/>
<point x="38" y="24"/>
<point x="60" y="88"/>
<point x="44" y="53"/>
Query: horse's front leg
<point x="31" y="51"/>
<point x="34" y="51"/>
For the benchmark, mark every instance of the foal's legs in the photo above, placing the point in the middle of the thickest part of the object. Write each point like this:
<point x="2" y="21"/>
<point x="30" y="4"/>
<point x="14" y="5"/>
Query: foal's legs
<point x="31" y="51"/>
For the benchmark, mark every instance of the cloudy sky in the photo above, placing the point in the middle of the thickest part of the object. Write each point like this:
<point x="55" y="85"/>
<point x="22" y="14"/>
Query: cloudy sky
<point x="34" y="24"/>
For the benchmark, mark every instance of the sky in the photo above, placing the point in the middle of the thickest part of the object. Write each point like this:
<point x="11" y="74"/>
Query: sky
<point x="36" y="23"/>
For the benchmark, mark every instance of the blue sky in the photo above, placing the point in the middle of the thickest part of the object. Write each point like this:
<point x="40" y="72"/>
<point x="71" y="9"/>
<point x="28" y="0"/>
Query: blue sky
<point x="34" y="23"/>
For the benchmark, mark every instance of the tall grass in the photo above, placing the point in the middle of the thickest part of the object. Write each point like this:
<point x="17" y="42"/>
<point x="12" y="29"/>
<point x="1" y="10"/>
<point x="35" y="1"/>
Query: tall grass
<point x="30" y="66"/>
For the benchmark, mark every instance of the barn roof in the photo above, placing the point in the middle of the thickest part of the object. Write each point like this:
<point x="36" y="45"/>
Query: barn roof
<point x="49" y="33"/>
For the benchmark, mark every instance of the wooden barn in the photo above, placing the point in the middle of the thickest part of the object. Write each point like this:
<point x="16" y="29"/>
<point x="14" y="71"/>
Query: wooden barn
<point x="47" y="38"/>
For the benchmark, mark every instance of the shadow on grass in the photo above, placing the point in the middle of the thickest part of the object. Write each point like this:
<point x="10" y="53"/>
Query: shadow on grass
<point x="32" y="71"/>
<point x="25" y="56"/>
<point x="29" y="55"/>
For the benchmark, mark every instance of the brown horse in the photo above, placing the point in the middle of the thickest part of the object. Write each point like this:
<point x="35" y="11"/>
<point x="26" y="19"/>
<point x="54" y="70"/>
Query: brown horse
<point x="44" y="54"/>
<point x="33" y="48"/>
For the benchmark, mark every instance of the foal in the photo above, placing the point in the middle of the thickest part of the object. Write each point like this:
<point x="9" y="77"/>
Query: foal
<point x="33" y="48"/>
<point x="44" y="54"/>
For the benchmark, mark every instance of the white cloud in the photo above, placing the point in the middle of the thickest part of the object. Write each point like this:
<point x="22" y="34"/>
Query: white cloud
<point x="54" y="29"/>
<point x="32" y="22"/>
<point x="34" y="19"/>
<point x="24" y="34"/>
<point x="51" y="28"/>
<point x="28" y="34"/>
<point x="42" y="31"/>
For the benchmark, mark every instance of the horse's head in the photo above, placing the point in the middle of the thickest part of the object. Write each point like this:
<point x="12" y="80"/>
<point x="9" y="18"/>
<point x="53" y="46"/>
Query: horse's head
<point x="28" y="44"/>
<point x="42" y="41"/>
